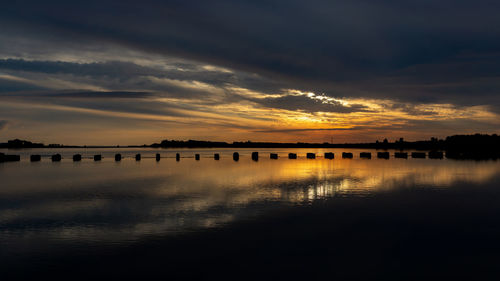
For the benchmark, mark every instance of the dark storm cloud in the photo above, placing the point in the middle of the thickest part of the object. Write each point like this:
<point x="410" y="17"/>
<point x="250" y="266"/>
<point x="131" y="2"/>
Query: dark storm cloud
<point x="410" y="109"/>
<point x="125" y="102"/>
<point x="113" y="68"/>
<point x="101" y="95"/>
<point x="145" y="104"/>
<point x="9" y="86"/>
<point x="76" y="94"/>
<point x="307" y="104"/>
<point x="124" y="76"/>
<point x="310" y="45"/>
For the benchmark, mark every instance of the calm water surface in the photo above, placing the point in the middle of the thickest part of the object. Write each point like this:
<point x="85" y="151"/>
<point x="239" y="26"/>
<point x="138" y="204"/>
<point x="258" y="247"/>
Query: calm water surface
<point x="81" y="205"/>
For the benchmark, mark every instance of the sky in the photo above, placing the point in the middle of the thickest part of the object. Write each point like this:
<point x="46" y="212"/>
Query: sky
<point x="137" y="72"/>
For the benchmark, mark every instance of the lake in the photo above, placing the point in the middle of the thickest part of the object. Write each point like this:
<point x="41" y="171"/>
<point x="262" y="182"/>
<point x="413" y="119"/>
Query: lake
<point x="395" y="219"/>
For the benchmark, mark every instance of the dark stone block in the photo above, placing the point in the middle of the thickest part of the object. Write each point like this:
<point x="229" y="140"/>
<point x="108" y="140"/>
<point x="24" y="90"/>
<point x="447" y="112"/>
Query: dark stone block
<point x="255" y="156"/>
<point x="401" y="155"/>
<point x="11" y="158"/>
<point x="436" y="155"/>
<point x="366" y="155"/>
<point x="383" y="155"/>
<point x="418" y="155"/>
<point x="346" y="155"/>
<point x="56" y="157"/>
<point x="329" y="155"/>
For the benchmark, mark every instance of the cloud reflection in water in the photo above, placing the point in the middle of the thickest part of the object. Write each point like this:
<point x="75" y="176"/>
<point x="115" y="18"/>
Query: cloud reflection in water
<point x="122" y="202"/>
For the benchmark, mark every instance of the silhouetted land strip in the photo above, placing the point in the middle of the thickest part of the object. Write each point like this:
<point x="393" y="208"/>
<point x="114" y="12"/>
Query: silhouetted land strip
<point x="478" y="146"/>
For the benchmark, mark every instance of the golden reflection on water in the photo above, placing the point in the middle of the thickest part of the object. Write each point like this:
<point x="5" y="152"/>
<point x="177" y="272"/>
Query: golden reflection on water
<point x="108" y="201"/>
